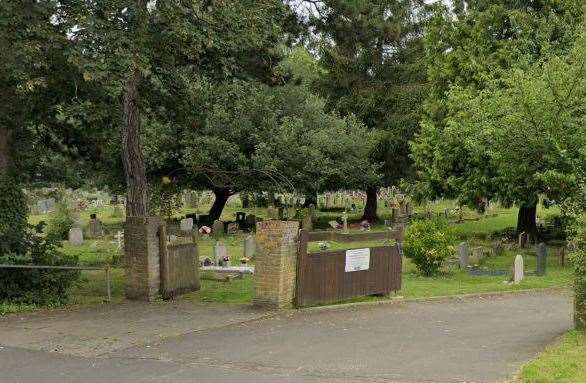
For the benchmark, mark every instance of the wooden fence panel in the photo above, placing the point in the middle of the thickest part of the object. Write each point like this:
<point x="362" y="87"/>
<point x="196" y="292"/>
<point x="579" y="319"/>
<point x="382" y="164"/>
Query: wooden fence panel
<point x="321" y="277"/>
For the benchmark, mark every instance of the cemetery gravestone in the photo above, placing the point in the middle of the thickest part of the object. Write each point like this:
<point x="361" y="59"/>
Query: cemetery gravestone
<point x="220" y="253"/>
<point x="186" y="224"/>
<point x="249" y="247"/>
<point x="523" y="239"/>
<point x="541" y="259"/>
<point x="232" y="228"/>
<point x="95" y="227"/>
<point x="463" y="254"/>
<point x="272" y="212"/>
<point x="477" y="255"/>
<point x="518" y="272"/>
<point x="240" y="217"/>
<point x="250" y="220"/>
<point x="307" y="222"/>
<point x="75" y="236"/>
<point x="218" y="228"/>
<point x="498" y="248"/>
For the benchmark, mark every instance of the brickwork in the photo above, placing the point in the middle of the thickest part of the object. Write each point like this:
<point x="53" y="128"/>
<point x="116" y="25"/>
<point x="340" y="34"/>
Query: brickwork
<point x="275" y="263"/>
<point x="141" y="247"/>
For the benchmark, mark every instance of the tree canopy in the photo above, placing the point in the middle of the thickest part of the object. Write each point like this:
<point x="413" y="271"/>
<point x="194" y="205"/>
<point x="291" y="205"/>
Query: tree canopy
<point x="482" y="138"/>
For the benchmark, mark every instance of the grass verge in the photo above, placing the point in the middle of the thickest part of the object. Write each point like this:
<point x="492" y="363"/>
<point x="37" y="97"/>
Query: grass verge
<point x="562" y="362"/>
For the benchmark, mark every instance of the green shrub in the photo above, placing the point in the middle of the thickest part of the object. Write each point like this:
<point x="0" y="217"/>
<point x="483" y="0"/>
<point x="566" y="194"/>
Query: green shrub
<point x="37" y="286"/>
<point x="13" y="216"/>
<point x="61" y="222"/>
<point x="428" y="244"/>
<point x="579" y="263"/>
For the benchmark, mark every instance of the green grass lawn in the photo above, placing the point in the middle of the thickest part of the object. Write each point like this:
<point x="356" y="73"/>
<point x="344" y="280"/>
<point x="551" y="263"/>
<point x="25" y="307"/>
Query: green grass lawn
<point x="562" y="362"/>
<point x="91" y="288"/>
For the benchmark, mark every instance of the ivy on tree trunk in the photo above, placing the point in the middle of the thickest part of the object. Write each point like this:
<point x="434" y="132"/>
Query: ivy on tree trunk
<point x="132" y="157"/>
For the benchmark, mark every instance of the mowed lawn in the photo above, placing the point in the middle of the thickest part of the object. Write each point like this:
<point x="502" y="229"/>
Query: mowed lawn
<point x="477" y="228"/>
<point x="562" y="362"/>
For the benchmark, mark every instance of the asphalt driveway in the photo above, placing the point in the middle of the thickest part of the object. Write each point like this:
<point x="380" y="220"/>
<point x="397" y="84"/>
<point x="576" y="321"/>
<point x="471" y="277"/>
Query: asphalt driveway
<point x="459" y="340"/>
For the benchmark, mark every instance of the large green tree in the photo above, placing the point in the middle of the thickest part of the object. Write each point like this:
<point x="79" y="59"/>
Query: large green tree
<point x="248" y="136"/>
<point x="143" y="54"/>
<point x="372" y="54"/>
<point x="470" y="50"/>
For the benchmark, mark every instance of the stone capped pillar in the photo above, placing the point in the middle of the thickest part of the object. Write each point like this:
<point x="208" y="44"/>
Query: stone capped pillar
<point x="141" y="255"/>
<point x="275" y="263"/>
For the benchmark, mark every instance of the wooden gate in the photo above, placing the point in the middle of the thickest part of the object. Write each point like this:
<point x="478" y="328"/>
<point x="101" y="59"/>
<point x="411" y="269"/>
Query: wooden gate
<point x="179" y="264"/>
<point x="331" y="276"/>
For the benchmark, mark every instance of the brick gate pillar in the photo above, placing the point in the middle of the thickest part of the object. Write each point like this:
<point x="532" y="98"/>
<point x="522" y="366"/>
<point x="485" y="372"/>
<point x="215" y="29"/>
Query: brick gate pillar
<point x="141" y="257"/>
<point x="275" y="263"/>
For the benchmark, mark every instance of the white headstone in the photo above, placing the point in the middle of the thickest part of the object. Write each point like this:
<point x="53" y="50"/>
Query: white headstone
<point x="186" y="224"/>
<point x="75" y="236"/>
<point x="249" y="247"/>
<point x="518" y="272"/>
<point x="219" y="252"/>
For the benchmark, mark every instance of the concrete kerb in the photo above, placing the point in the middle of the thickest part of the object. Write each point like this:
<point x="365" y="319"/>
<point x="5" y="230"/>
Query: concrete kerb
<point x="399" y="300"/>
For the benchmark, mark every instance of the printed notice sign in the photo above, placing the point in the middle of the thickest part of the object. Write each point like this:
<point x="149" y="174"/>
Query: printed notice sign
<point x="357" y="260"/>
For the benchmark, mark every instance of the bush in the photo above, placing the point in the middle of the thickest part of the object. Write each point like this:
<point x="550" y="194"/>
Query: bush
<point x="61" y="222"/>
<point x="578" y="260"/>
<point x="428" y="244"/>
<point x="13" y="216"/>
<point x="37" y="286"/>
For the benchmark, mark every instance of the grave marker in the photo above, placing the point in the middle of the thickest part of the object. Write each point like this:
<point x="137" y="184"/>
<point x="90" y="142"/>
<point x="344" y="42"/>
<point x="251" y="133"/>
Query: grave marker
<point x="541" y="259"/>
<point x="75" y="236"/>
<point x="186" y="224"/>
<point x="220" y="253"/>
<point x="463" y="254"/>
<point x="249" y="247"/>
<point x="218" y="228"/>
<point x="518" y="271"/>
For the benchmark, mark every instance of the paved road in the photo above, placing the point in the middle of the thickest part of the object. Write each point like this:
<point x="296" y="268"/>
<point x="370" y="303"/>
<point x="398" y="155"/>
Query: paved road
<point x="469" y="340"/>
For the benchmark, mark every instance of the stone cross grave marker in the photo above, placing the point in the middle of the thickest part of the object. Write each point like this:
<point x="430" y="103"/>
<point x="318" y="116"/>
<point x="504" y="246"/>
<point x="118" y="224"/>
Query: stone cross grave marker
<point x="518" y="272"/>
<point x="463" y="254"/>
<point x="75" y="236"/>
<point x="541" y="259"/>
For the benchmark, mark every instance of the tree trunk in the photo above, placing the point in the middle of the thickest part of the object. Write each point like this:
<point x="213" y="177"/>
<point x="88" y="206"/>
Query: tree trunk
<point x="5" y="149"/>
<point x="132" y="157"/>
<point x="310" y="198"/>
<point x="526" y="220"/>
<point x="371" y="205"/>
<point x="222" y="196"/>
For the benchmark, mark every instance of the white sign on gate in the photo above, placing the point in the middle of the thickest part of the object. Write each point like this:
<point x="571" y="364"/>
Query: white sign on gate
<point x="357" y="260"/>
